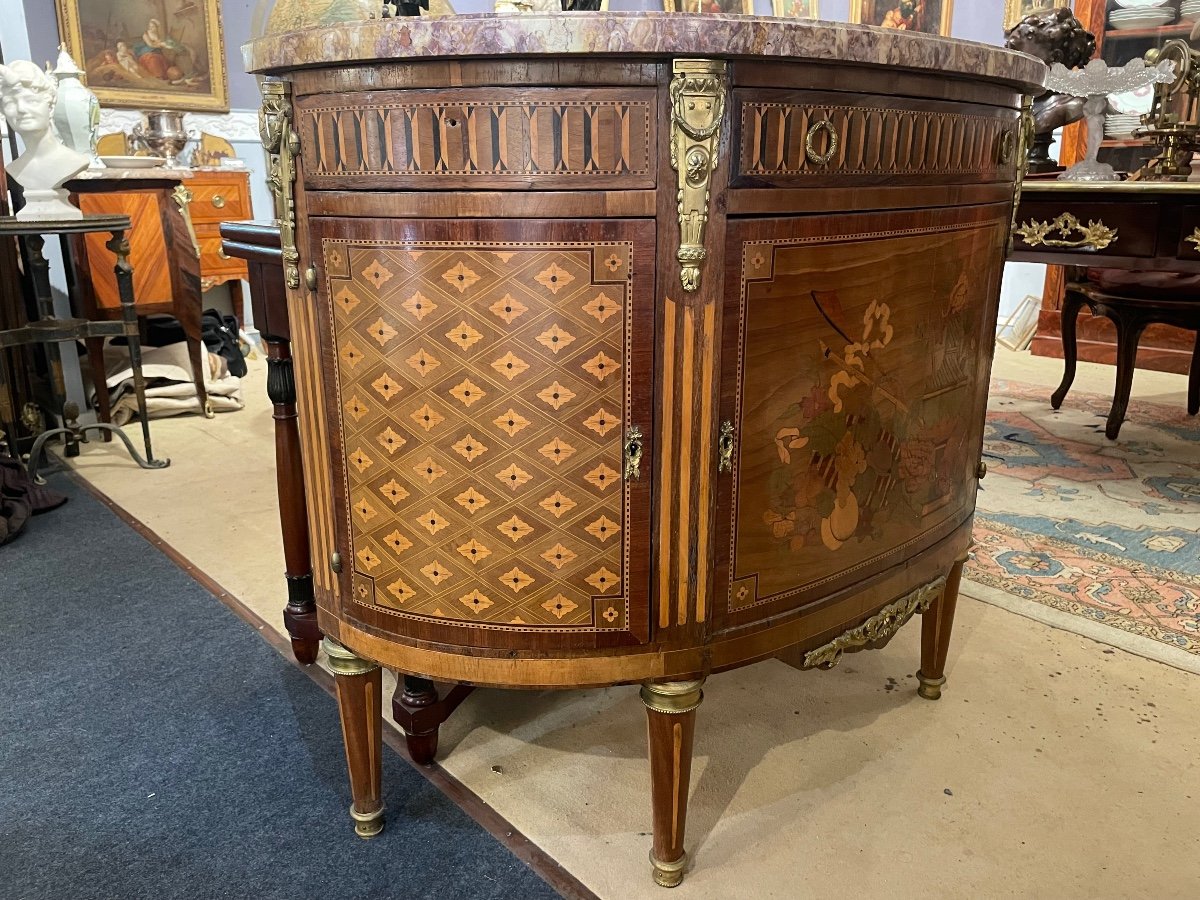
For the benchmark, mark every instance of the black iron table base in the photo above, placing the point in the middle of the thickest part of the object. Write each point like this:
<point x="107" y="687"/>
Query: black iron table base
<point x="50" y="331"/>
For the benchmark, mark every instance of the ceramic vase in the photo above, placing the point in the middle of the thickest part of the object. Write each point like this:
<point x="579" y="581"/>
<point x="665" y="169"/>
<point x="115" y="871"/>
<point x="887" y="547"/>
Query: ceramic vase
<point x="76" y="109"/>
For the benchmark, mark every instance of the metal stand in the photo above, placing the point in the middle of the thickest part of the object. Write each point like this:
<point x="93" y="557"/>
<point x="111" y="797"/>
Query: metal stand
<point x="51" y="331"/>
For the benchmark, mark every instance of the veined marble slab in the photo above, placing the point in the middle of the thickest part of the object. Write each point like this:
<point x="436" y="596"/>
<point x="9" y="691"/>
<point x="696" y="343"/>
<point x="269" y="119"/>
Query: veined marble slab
<point x="637" y="34"/>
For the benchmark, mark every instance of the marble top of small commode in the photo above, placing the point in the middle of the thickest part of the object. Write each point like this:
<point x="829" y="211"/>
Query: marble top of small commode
<point x="635" y="34"/>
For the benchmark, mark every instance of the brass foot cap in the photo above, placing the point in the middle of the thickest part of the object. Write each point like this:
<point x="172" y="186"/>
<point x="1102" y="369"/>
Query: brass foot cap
<point x="367" y="825"/>
<point x="668" y="874"/>
<point x="930" y="688"/>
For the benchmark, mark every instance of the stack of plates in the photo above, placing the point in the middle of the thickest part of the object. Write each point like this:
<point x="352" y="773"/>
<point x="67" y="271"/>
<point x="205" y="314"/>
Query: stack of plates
<point x="1141" y="17"/>
<point x="1189" y="10"/>
<point x="1121" y="125"/>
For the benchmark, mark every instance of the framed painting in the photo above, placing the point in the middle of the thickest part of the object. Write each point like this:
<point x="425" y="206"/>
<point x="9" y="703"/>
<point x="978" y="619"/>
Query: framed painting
<point x="149" y="54"/>
<point x="794" y="9"/>
<point x="929" y="16"/>
<point x="729" y="7"/>
<point x="1016" y="10"/>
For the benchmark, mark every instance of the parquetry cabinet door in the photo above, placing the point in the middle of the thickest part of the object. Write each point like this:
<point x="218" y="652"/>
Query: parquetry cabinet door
<point x="854" y="390"/>
<point x="488" y="410"/>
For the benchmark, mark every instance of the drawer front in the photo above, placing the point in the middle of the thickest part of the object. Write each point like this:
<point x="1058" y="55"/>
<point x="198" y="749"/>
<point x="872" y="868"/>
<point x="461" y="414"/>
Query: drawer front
<point x="213" y="261"/>
<point x="804" y="138"/>
<point x="1189" y="234"/>
<point x="219" y="201"/>
<point x="474" y="138"/>
<point x="1070" y="226"/>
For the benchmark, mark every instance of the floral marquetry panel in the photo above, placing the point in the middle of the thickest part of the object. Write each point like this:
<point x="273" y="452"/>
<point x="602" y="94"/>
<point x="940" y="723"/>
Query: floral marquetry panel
<point x="482" y="392"/>
<point x="860" y="392"/>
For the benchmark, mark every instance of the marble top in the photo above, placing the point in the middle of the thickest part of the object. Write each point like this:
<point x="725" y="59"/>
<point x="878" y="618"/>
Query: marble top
<point x="636" y="34"/>
<point x="151" y="173"/>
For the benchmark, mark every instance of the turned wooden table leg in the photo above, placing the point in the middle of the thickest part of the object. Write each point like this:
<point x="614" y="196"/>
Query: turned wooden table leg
<point x="359" y="690"/>
<point x="300" y="614"/>
<point x="936" y="623"/>
<point x="671" y="718"/>
<point x="420" y="706"/>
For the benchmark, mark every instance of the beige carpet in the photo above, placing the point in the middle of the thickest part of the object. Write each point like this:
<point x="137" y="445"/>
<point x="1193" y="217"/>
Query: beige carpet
<point x="1053" y="767"/>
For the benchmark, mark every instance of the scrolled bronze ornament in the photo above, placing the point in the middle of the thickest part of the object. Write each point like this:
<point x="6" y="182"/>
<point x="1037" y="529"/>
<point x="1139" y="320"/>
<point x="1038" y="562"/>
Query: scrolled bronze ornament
<point x="1093" y="236"/>
<point x="697" y="106"/>
<point x="1025" y="137"/>
<point x="183" y="199"/>
<point x="1194" y="239"/>
<point x="813" y="155"/>
<point x="282" y="146"/>
<point x="880" y="627"/>
<point x="725" y="447"/>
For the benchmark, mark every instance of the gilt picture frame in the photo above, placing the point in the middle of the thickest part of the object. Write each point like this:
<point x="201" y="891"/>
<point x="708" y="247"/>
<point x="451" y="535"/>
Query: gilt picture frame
<point x="149" y="54"/>
<point x="928" y="16"/>
<point x="1016" y="10"/>
<point x="725" y="7"/>
<point x="794" y="9"/>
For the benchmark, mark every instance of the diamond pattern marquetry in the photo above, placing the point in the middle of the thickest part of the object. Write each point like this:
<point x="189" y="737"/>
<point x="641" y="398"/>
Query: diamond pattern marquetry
<point x="482" y="395"/>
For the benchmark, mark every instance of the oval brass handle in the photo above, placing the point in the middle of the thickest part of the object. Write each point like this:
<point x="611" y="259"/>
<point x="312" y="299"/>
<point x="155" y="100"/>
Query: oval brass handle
<point x="221" y="253"/>
<point x="810" y="143"/>
<point x="218" y="201"/>
<point x="1095" y="235"/>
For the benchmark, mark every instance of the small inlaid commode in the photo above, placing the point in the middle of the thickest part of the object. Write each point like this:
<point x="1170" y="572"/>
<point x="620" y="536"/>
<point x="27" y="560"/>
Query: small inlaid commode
<point x="632" y="348"/>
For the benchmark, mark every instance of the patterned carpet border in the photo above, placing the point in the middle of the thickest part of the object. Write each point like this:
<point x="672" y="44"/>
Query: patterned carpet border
<point x="1097" y="537"/>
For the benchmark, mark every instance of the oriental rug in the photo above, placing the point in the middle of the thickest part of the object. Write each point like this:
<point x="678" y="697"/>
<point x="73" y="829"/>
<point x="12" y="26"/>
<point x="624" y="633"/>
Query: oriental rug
<point x="1097" y="536"/>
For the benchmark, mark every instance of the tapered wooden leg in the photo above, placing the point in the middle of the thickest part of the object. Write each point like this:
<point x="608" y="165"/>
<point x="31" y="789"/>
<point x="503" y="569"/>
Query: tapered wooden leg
<point x="300" y="614"/>
<point x="936" y="624"/>
<point x="359" y="693"/>
<point x="671" y="718"/>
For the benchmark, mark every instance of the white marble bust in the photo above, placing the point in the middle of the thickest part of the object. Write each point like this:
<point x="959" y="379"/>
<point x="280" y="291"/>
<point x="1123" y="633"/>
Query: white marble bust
<point x="27" y="97"/>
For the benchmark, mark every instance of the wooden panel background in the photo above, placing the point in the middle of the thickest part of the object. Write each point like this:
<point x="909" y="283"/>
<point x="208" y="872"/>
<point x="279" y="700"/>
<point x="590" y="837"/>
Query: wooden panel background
<point x="147" y="248"/>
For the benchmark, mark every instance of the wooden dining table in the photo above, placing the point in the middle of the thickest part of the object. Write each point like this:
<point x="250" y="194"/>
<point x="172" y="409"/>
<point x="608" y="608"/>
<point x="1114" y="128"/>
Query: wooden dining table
<point x="1126" y="227"/>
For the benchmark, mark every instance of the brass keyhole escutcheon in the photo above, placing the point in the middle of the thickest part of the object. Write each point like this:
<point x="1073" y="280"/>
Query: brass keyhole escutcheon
<point x="725" y="447"/>
<point x="816" y="157"/>
<point x="633" y="454"/>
